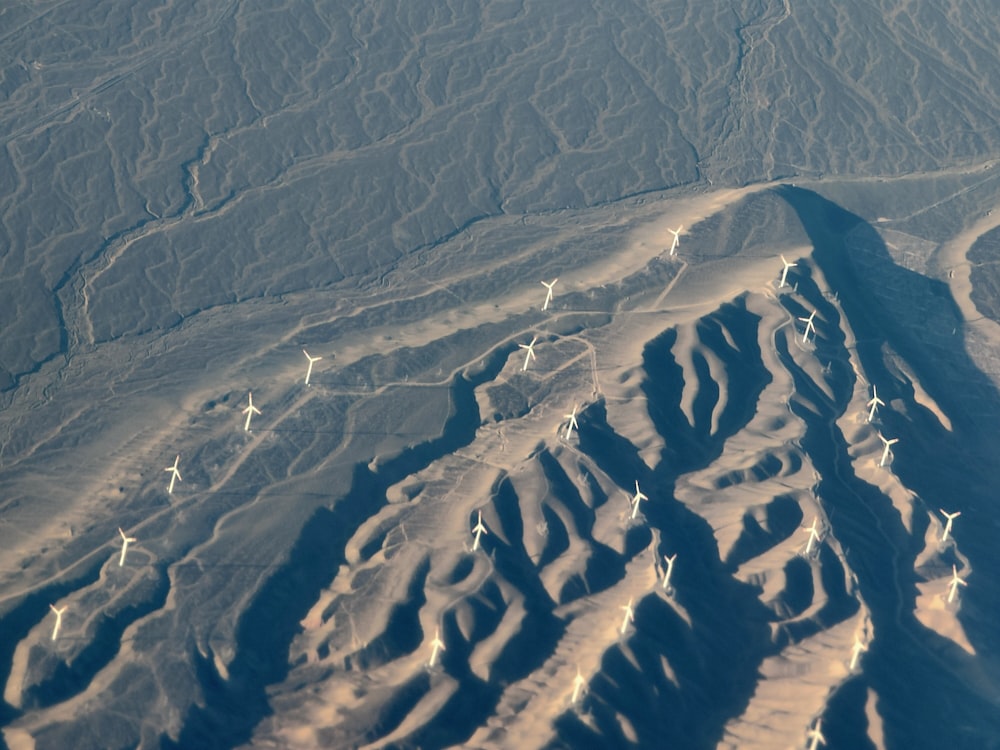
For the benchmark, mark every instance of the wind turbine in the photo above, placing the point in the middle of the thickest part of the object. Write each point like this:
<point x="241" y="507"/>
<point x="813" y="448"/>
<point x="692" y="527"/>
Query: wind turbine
<point x="174" y="476"/>
<point x="636" y="498"/>
<point x="815" y="735"/>
<point x="856" y="650"/>
<point x="530" y="352"/>
<point x="813" y="536"/>
<point x="947" y="527"/>
<point x="784" y="271"/>
<point x="874" y="404"/>
<point x="548" y="295"/>
<point x="249" y="411"/>
<point x="887" y="448"/>
<point x="953" y="585"/>
<point x="312" y="361"/>
<point x="579" y="686"/>
<point x="125" y="542"/>
<point x="669" y="571"/>
<point x="810" y="327"/>
<point x="677" y="240"/>
<point x="479" y="529"/>
<point x="572" y="422"/>
<point x="437" y="645"/>
<point x="629" y="617"/>
<point x="59" y="614"/>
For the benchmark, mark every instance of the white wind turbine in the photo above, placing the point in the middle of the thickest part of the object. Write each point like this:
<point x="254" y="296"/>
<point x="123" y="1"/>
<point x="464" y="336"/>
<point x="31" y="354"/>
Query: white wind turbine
<point x="249" y="411"/>
<point x="669" y="571"/>
<point x="437" y="645"/>
<point x="954" y="583"/>
<point x="813" y="536"/>
<point x="312" y="361"/>
<point x="579" y="686"/>
<point x="529" y="352"/>
<point x="815" y="735"/>
<point x="947" y="527"/>
<point x="548" y="295"/>
<point x="784" y="271"/>
<point x="886" y="448"/>
<point x="676" y="233"/>
<point x="636" y="498"/>
<point x="126" y="540"/>
<point x="856" y="651"/>
<point x="874" y="404"/>
<point x="59" y="614"/>
<point x="572" y="422"/>
<point x="174" y="476"/>
<point x="629" y="617"/>
<point x="479" y="529"/>
<point x="810" y="327"/>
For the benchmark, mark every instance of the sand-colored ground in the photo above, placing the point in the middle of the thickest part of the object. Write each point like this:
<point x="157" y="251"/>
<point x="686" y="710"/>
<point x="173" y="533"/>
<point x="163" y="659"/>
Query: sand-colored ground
<point x="340" y="525"/>
<point x="191" y="194"/>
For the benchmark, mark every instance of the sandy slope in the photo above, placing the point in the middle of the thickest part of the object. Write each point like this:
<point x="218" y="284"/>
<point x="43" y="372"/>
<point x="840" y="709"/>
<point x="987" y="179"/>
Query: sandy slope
<point x="191" y="193"/>
<point x="288" y="592"/>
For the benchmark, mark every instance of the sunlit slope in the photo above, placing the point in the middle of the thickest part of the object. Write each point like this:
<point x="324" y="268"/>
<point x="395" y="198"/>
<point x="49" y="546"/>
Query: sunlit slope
<point x="288" y="592"/>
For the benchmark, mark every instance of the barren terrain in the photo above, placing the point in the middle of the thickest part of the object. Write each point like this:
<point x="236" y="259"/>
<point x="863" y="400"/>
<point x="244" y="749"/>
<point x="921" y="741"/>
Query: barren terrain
<point x="193" y="193"/>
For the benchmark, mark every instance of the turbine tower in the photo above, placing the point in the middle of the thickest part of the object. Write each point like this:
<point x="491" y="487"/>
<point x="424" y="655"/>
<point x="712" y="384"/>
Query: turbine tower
<point x="784" y="271"/>
<point x="954" y="583"/>
<point x="249" y="411"/>
<point x="529" y="352"/>
<point x="886" y="449"/>
<point x="810" y="327"/>
<point x="312" y="361"/>
<point x="548" y="295"/>
<point x="579" y="686"/>
<point x="629" y="617"/>
<point x="676" y="233"/>
<point x="174" y="476"/>
<point x="874" y="404"/>
<point x="126" y="540"/>
<point x="479" y="529"/>
<point x="947" y="527"/>
<point x="669" y="571"/>
<point x="815" y="735"/>
<point x="813" y="536"/>
<point x="59" y="614"/>
<point x="437" y="645"/>
<point x="572" y="422"/>
<point x="636" y="498"/>
<point x="856" y="651"/>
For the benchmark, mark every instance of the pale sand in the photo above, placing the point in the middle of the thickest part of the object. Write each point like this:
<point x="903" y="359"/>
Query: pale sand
<point x="560" y="543"/>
